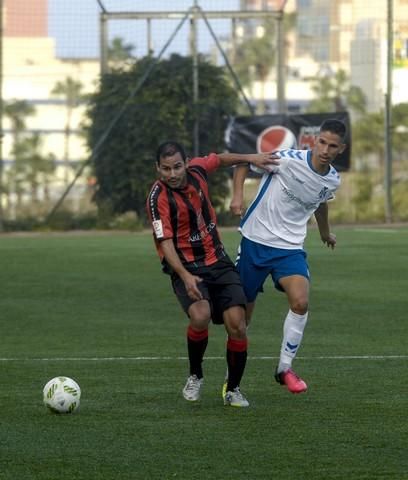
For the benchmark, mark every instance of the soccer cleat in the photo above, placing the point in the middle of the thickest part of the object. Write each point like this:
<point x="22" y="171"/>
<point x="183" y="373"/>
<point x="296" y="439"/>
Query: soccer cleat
<point x="235" y="398"/>
<point x="224" y="385"/>
<point x="224" y="388"/>
<point x="191" y="390"/>
<point x="293" y="383"/>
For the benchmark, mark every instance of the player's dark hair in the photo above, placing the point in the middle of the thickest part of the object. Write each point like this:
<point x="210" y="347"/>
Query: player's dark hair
<point x="334" y="126"/>
<point x="168" y="149"/>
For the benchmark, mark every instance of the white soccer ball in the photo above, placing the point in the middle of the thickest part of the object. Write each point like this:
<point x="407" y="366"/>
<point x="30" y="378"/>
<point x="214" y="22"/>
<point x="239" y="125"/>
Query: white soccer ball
<point x="62" y="395"/>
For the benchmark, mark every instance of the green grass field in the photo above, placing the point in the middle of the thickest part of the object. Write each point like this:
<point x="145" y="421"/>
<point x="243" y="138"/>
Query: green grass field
<point x="97" y="308"/>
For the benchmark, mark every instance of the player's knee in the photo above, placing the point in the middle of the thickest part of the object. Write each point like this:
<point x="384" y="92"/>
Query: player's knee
<point x="200" y="323"/>
<point x="300" y="305"/>
<point x="235" y="323"/>
<point x="200" y="315"/>
<point x="237" y="332"/>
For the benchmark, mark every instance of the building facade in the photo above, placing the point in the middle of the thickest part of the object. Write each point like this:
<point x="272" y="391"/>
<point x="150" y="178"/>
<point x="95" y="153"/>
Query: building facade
<point x="31" y="71"/>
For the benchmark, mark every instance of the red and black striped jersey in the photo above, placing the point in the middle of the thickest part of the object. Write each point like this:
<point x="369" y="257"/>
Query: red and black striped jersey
<point x="187" y="216"/>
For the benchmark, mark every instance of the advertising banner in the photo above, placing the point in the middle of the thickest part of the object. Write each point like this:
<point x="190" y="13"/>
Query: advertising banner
<point x="265" y="133"/>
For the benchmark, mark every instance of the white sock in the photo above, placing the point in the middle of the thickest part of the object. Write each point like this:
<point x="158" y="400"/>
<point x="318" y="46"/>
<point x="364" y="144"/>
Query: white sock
<point x="293" y="328"/>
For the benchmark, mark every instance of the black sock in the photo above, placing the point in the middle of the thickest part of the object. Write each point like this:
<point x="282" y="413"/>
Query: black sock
<point x="197" y="342"/>
<point x="236" y="361"/>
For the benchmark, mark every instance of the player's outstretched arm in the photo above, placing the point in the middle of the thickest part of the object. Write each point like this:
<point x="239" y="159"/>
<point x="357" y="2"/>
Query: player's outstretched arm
<point x="264" y="160"/>
<point x="237" y="201"/>
<point x="322" y="219"/>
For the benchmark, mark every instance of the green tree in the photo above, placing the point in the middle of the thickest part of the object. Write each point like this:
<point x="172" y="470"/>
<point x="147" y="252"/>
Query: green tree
<point x="120" y="54"/>
<point x="369" y="134"/>
<point x="125" y="165"/>
<point x="369" y="141"/>
<point x="400" y="130"/>
<point x="368" y="137"/>
<point x="70" y="90"/>
<point x="17" y="111"/>
<point x="31" y="170"/>
<point x="333" y="93"/>
<point x="255" y="56"/>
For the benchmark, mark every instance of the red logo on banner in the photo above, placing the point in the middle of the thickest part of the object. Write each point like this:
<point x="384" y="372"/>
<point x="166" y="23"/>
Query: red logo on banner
<point x="275" y="138"/>
<point x="306" y="142"/>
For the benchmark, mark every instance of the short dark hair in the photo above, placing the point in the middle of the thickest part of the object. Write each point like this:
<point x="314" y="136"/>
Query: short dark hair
<point x="334" y="126"/>
<point x="168" y="149"/>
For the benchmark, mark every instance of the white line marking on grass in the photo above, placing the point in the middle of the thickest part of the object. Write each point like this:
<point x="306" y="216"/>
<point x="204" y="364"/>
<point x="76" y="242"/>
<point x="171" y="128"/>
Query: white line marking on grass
<point x="164" y="358"/>
<point x="376" y="230"/>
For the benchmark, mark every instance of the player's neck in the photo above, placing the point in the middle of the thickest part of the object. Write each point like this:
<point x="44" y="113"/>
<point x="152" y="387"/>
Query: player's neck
<point x="319" y="167"/>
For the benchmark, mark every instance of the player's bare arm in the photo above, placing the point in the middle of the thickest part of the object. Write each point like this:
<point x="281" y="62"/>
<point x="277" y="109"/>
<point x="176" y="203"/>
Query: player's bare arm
<point x="260" y="160"/>
<point x="237" y="202"/>
<point x="190" y="281"/>
<point x="322" y="219"/>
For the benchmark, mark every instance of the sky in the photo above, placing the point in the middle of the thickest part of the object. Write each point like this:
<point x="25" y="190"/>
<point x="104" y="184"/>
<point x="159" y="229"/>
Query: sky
<point x="75" y="25"/>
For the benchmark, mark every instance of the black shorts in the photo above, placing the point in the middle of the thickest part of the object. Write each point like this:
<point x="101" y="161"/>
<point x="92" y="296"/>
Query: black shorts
<point x="221" y="286"/>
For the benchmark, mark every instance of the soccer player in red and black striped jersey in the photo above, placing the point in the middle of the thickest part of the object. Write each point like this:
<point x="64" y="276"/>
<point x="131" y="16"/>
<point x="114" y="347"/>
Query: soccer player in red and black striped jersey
<point x="203" y="277"/>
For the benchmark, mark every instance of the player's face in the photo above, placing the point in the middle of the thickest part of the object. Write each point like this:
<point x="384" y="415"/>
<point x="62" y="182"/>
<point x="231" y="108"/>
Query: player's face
<point x="328" y="145"/>
<point x="172" y="171"/>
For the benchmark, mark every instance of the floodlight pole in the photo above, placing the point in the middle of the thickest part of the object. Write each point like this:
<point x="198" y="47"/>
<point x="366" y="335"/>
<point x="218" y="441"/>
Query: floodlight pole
<point x="149" y="37"/>
<point x="233" y="40"/>
<point x="388" y="115"/>
<point x="1" y="116"/>
<point x="280" y="64"/>
<point x="194" y="55"/>
<point x="103" y="32"/>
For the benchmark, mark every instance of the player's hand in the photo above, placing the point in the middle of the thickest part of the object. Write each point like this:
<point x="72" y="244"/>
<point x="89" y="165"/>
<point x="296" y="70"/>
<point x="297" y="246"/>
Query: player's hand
<point x="266" y="160"/>
<point x="191" y="285"/>
<point x="330" y="240"/>
<point x="237" y="205"/>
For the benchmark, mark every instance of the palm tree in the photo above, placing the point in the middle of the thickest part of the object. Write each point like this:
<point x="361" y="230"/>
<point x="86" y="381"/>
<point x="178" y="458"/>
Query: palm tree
<point x="256" y="56"/>
<point x="31" y="169"/>
<point x="16" y="111"/>
<point x="70" y="89"/>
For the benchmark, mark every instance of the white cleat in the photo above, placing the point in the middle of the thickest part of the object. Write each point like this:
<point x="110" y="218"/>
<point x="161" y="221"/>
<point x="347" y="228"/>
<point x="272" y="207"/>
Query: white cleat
<point x="191" y="390"/>
<point x="235" y="398"/>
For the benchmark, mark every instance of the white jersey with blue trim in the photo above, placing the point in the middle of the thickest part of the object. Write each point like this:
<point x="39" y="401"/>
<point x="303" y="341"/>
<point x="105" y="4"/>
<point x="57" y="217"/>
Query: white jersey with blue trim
<point x="286" y="199"/>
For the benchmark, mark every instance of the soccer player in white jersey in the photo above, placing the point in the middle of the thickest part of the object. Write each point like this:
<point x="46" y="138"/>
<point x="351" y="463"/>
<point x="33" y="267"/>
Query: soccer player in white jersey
<point x="274" y="228"/>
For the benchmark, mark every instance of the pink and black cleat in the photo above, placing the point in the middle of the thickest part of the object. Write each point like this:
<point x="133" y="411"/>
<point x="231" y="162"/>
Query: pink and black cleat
<point x="293" y="383"/>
